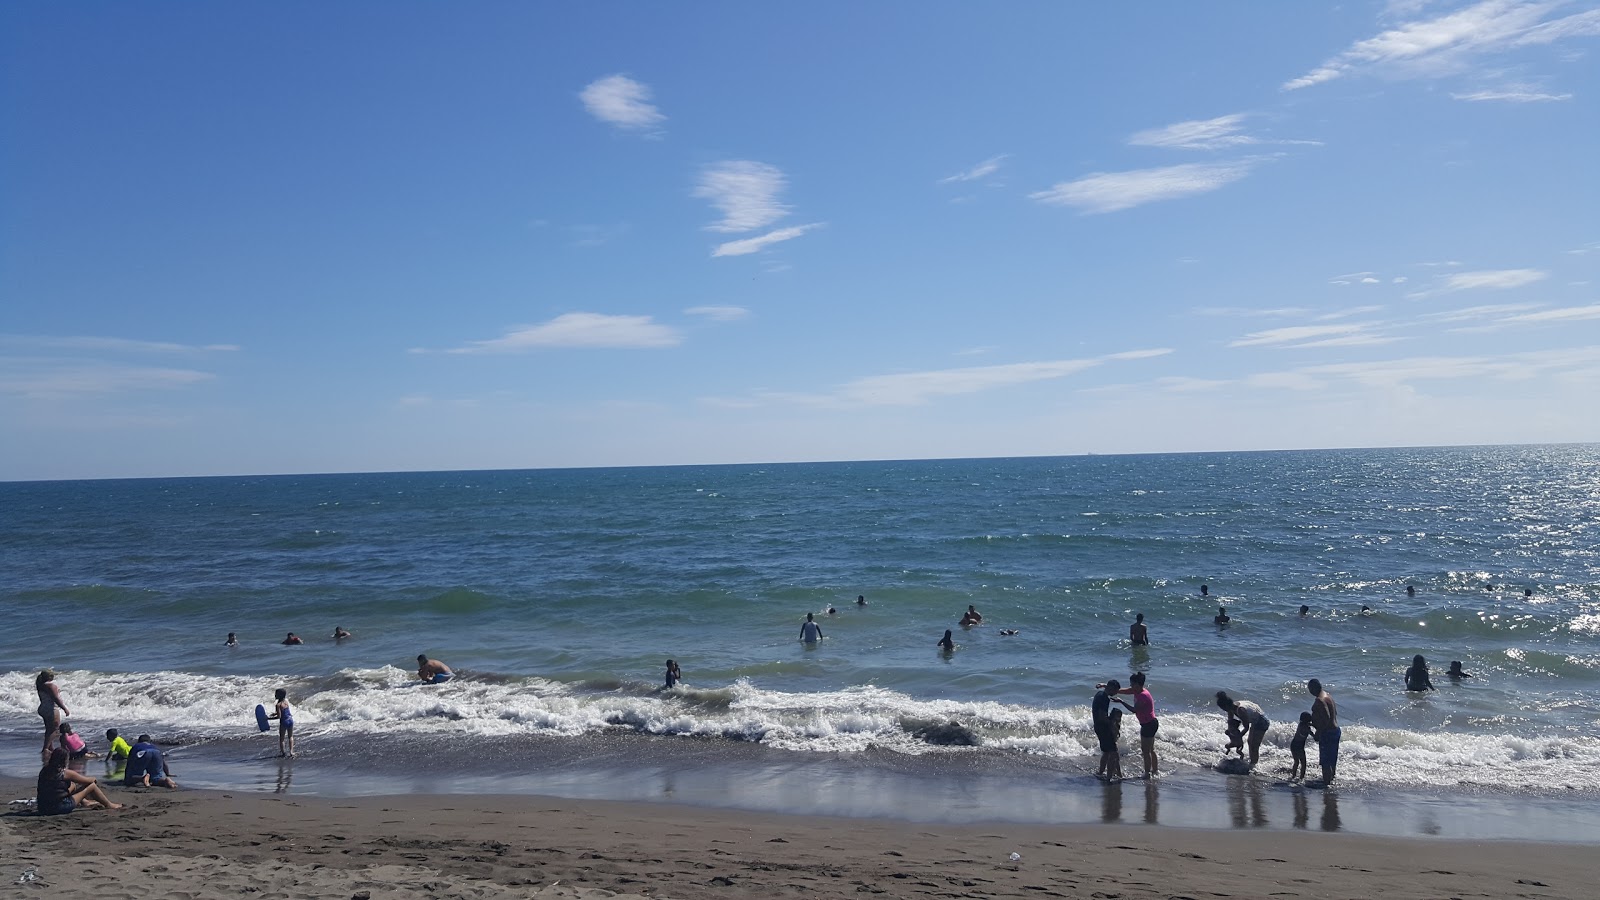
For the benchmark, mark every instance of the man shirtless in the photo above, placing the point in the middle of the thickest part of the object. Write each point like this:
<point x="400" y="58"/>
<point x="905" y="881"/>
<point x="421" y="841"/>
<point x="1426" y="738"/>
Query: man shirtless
<point x="1325" y="719"/>
<point x="433" y="671"/>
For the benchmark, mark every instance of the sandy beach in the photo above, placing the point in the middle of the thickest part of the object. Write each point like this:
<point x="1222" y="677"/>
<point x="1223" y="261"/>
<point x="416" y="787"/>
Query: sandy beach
<point x="227" y="844"/>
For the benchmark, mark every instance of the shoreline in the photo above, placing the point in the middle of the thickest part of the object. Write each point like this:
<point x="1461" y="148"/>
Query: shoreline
<point x="212" y="843"/>
<point x="936" y="790"/>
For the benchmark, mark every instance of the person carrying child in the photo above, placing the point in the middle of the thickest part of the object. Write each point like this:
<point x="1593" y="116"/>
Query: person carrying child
<point x="1297" y="748"/>
<point x="285" y="717"/>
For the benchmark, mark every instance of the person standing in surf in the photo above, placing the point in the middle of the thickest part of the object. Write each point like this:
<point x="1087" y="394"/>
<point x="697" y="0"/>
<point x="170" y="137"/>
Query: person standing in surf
<point x="1144" y="709"/>
<point x="49" y="702"/>
<point x="1325" y="721"/>
<point x="1138" y="634"/>
<point x="285" y="717"/>
<point x="1250" y="715"/>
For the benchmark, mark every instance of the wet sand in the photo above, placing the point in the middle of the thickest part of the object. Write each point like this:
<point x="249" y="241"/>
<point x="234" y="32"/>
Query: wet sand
<point x="230" y="844"/>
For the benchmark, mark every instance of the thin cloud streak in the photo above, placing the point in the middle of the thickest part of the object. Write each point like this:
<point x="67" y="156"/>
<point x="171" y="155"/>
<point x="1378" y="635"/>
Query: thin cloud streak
<point x="578" y="330"/>
<point x="1103" y="192"/>
<point x="756" y="244"/>
<point x="981" y="170"/>
<point x="719" y="313"/>
<point x="48" y="379"/>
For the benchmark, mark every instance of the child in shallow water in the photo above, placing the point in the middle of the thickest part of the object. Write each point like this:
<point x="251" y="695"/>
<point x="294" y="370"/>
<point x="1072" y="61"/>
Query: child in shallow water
<point x="1297" y="748"/>
<point x="1235" y="734"/>
<point x="1113" y="756"/>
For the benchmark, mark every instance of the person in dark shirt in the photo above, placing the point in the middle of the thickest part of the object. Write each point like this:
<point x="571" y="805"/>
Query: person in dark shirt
<point x="146" y="766"/>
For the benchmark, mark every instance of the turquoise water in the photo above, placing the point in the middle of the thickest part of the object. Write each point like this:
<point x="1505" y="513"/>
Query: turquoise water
<point x="559" y="594"/>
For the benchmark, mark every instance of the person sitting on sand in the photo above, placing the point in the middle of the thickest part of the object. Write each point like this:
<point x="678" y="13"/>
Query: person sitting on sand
<point x="339" y="633"/>
<point x="292" y="639"/>
<point x="74" y="745"/>
<point x="1297" y="748"/>
<point x="147" y="767"/>
<point x="971" y="617"/>
<point x="62" y="790"/>
<point x="1138" y="634"/>
<point x="1235" y="733"/>
<point x="673" y="674"/>
<point x="232" y="641"/>
<point x="1252" y="718"/>
<point x="1110" y="752"/>
<point x="119" y="746"/>
<point x="1222" y="616"/>
<point x="946" y="643"/>
<point x="433" y="671"/>
<point x="810" y="631"/>
<point x="1417" y="676"/>
<point x="1455" y="673"/>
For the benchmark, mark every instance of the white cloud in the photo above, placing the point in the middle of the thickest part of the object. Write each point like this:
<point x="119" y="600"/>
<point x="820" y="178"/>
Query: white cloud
<point x="1139" y="354"/>
<point x="1201" y="134"/>
<point x="1496" y="279"/>
<point x="981" y="170"/>
<point x="621" y="101"/>
<point x="1103" y="192"/>
<point x="1354" y="278"/>
<point x="1515" y="94"/>
<point x="109" y="344"/>
<point x="1560" y="314"/>
<point x="1245" y="312"/>
<point x="1470" y="313"/>
<point x="1183" y="384"/>
<point x="589" y="330"/>
<point x="761" y="242"/>
<point x="745" y="192"/>
<point x="45" y="379"/>
<point x="1439" y="45"/>
<point x="1347" y="313"/>
<point x="719" y="313"/>
<point x="1297" y="336"/>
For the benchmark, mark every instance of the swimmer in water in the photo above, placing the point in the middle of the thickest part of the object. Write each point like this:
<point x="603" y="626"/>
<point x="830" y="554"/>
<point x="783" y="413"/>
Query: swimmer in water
<point x="810" y="632"/>
<point x="232" y="641"/>
<point x="1009" y="632"/>
<point x="432" y="670"/>
<point x="1138" y="634"/>
<point x="674" y="675"/>
<point x="339" y="634"/>
<point x="861" y="600"/>
<point x="1205" y="590"/>
<point x="1366" y="610"/>
<point x="946" y="643"/>
<point x="1455" y="673"/>
<point x="971" y="616"/>
<point x="292" y="639"/>
<point x="832" y="611"/>
<point x="1222" y="617"/>
<point x="1411" y="590"/>
<point x="1304" y="610"/>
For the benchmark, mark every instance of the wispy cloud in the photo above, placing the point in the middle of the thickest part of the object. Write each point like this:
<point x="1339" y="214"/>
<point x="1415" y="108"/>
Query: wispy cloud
<point x="761" y="242"/>
<point x="595" y="235"/>
<point x="1512" y="94"/>
<point x="1200" y="134"/>
<point x="980" y="171"/>
<point x="1557" y="315"/>
<point x="1353" y="334"/>
<point x="88" y="343"/>
<point x="578" y="329"/>
<point x="1468" y="314"/>
<point x="1355" y="278"/>
<point x="745" y="192"/>
<point x="719" y="313"/>
<point x="1487" y="279"/>
<point x="1347" y="313"/>
<point x="1250" y="313"/>
<point x="1103" y="192"/>
<point x="1439" y="45"/>
<point x="44" y="379"/>
<point x="918" y="388"/>
<point x="619" y="100"/>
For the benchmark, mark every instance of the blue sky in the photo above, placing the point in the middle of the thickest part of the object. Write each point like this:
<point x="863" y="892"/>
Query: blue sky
<point x="244" y="238"/>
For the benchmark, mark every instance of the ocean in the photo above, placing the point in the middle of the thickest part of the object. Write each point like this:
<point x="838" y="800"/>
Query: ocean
<point x="558" y="595"/>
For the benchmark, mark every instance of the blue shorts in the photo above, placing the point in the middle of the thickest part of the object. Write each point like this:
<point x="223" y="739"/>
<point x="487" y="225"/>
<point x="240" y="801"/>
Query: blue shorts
<point x="1259" y="726"/>
<point x="1328" y="748"/>
<point x="442" y="677"/>
<point x="67" y="805"/>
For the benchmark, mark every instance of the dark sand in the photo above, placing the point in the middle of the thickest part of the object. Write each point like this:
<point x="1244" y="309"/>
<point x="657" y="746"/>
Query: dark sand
<point x="190" y="844"/>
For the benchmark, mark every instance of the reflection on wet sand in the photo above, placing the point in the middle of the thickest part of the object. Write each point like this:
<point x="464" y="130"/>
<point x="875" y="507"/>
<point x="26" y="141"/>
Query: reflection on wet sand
<point x="1111" y="802"/>
<point x="1246" y="803"/>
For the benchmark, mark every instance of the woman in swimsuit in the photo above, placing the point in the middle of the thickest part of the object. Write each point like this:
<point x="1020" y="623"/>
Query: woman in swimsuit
<point x="49" y="702"/>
